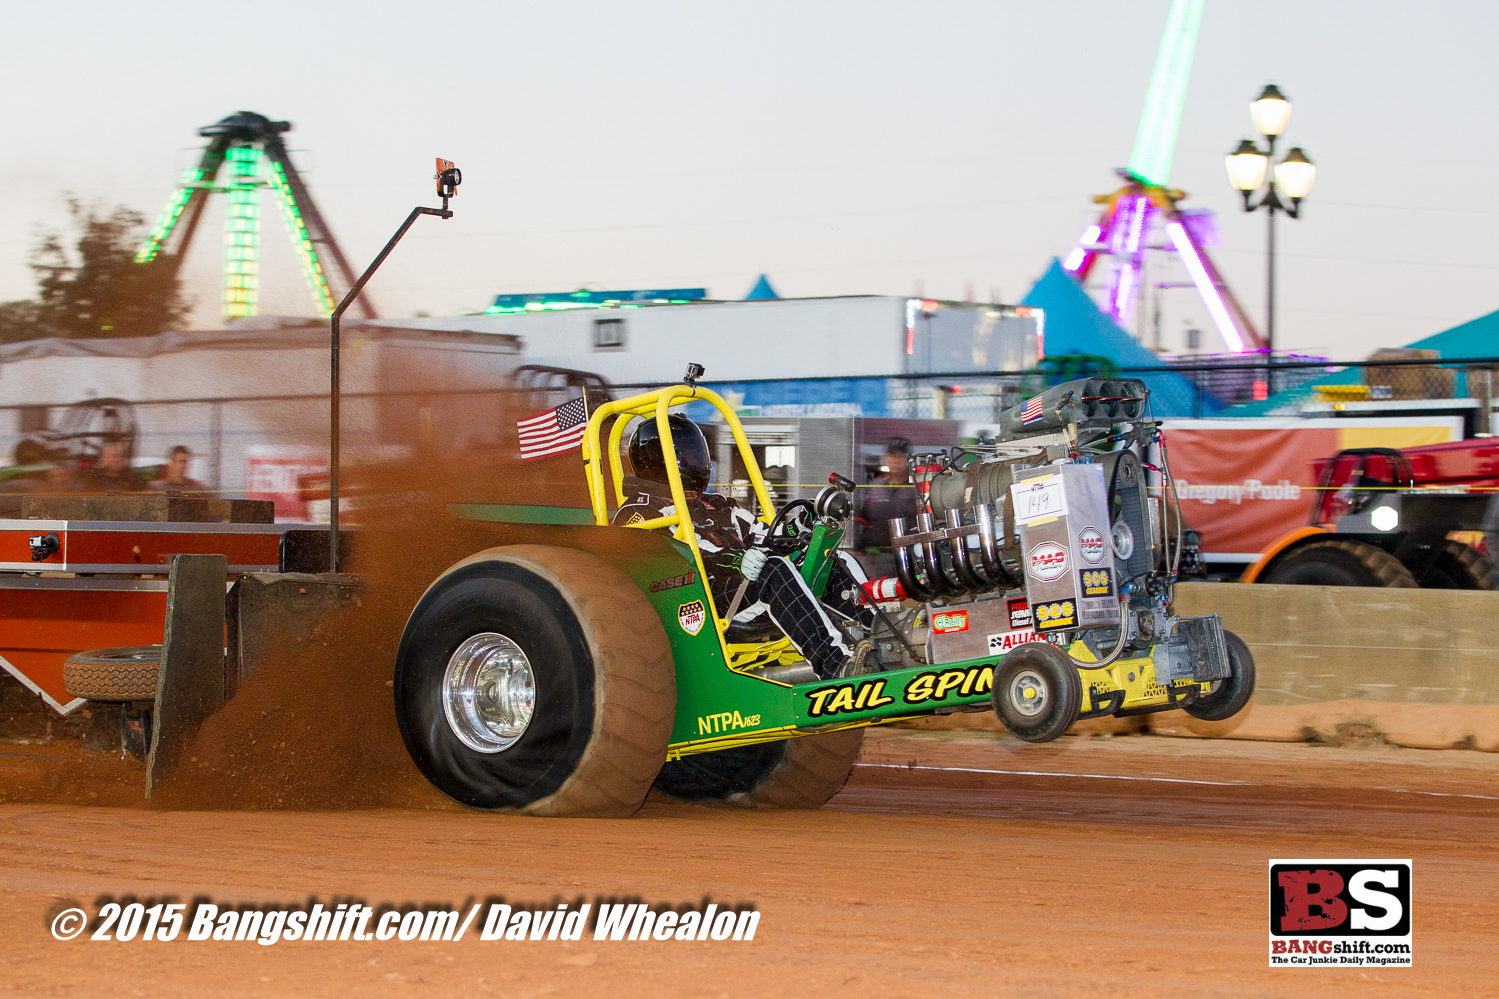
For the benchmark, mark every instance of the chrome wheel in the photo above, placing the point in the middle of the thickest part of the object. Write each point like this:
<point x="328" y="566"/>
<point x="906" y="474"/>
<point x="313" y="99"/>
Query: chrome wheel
<point x="1028" y="693"/>
<point x="488" y="692"/>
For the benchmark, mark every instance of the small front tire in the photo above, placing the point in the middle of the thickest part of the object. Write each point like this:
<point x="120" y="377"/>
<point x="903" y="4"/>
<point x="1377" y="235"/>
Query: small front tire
<point x="1227" y="697"/>
<point x="1037" y="692"/>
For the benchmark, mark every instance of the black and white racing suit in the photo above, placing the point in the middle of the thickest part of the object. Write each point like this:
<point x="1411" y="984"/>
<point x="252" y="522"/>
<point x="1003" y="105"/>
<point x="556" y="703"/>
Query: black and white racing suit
<point x="778" y="595"/>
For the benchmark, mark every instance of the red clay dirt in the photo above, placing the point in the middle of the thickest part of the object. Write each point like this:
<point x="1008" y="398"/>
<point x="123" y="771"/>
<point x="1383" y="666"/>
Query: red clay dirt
<point x="1089" y="867"/>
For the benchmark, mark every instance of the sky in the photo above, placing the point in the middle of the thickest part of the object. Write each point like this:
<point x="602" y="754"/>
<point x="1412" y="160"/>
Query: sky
<point x="943" y="148"/>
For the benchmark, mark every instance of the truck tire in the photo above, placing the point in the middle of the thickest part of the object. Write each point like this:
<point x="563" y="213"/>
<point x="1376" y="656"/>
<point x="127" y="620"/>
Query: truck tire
<point x="1461" y="567"/>
<point x="1228" y="697"/>
<point x="1037" y="692"/>
<point x="536" y="680"/>
<point x="124" y="674"/>
<point x="793" y="773"/>
<point x="1339" y="563"/>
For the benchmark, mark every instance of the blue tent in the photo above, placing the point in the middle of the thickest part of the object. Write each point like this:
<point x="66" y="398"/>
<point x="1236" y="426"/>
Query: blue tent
<point x="1475" y="338"/>
<point x="1074" y="325"/>
<point x="761" y="290"/>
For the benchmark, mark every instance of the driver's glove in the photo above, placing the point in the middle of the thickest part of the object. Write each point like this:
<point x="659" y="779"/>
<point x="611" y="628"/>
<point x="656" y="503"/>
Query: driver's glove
<point x="751" y="562"/>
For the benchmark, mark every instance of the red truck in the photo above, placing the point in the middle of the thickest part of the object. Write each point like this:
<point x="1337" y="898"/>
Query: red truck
<point x="1412" y="517"/>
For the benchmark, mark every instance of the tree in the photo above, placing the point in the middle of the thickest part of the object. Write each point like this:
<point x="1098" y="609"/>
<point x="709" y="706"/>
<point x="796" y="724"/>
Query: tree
<point x="97" y="289"/>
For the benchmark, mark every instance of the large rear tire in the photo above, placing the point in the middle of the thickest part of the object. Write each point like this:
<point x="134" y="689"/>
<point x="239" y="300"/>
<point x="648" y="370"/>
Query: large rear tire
<point x="1037" y="692"/>
<point x="1228" y="697"/>
<point x="1460" y="567"/>
<point x="793" y="773"/>
<point x="564" y="630"/>
<point x="1339" y="563"/>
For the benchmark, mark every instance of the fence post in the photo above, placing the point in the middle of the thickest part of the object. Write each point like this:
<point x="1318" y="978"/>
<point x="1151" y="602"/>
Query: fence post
<point x="216" y="445"/>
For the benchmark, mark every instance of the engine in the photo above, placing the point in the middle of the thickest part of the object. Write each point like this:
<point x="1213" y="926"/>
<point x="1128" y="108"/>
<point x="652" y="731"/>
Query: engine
<point x="1048" y="530"/>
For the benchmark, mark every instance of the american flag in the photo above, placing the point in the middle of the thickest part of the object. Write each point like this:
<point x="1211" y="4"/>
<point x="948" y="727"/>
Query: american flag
<point x="1032" y="411"/>
<point x="553" y="432"/>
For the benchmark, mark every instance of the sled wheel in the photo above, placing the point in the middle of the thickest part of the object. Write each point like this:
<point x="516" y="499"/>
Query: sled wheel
<point x="125" y="674"/>
<point x="1340" y="563"/>
<point x="538" y="680"/>
<point x="135" y="729"/>
<point x="1037" y="692"/>
<point x="1227" y="697"/>
<point x="1460" y="567"/>
<point x="793" y="773"/>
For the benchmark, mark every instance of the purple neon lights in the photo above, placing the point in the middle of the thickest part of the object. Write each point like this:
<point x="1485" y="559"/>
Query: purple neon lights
<point x="1182" y="240"/>
<point x="1085" y="244"/>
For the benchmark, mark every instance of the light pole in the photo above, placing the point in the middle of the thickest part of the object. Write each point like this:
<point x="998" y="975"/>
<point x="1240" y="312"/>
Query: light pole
<point x="1293" y="178"/>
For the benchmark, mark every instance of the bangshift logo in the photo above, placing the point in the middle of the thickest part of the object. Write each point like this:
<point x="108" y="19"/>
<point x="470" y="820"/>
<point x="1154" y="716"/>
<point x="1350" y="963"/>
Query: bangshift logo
<point x="1348" y="913"/>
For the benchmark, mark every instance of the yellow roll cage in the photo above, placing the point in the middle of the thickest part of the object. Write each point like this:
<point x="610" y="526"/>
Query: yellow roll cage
<point x="659" y="403"/>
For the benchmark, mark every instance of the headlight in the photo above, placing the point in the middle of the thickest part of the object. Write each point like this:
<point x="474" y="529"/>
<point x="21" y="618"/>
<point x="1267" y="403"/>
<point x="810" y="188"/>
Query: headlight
<point x="1384" y="518"/>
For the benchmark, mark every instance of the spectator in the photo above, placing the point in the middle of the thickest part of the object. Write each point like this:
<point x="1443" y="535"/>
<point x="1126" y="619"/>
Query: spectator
<point x="889" y="495"/>
<point x="112" y="472"/>
<point x="174" y="476"/>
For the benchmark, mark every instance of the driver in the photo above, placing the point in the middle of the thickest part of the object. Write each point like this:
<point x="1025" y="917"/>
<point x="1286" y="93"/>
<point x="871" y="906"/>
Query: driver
<point x="734" y="547"/>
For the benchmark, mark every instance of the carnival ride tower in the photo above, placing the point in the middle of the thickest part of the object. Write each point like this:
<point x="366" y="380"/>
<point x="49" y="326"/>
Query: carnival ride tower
<point x="244" y="154"/>
<point x="1144" y="214"/>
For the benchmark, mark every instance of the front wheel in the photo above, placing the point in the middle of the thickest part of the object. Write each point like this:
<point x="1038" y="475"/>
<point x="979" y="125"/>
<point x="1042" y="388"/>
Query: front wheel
<point x="1037" y="692"/>
<point x="1227" y="697"/>
<point x="538" y="680"/>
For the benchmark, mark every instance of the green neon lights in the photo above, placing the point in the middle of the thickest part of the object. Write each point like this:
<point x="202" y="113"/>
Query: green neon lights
<point x="312" y="268"/>
<point x="191" y="180"/>
<point x="1155" y="142"/>
<point x="242" y="233"/>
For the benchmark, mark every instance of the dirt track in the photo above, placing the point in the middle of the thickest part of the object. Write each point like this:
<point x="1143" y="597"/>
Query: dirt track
<point x="1097" y="871"/>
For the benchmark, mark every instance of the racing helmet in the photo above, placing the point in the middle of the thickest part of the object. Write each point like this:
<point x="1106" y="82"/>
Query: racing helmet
<point x="649" y="461"/>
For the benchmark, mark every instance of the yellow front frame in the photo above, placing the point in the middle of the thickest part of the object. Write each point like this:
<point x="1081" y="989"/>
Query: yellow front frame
<point x="659" y="403"/>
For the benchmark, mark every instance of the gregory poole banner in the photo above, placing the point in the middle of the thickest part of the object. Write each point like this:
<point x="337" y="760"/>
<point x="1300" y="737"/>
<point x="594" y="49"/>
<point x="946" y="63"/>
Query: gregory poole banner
<point x="1244" y="483"/>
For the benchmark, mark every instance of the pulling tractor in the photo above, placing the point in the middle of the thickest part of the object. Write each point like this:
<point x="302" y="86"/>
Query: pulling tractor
<point x="574" y="667"/>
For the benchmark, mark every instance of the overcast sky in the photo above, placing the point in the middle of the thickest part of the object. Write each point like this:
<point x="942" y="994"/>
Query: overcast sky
<point x="862" y="147"/>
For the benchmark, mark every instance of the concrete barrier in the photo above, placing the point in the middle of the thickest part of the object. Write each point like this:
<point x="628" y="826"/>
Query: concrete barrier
<point x="1418" y="667"/>
<point x="1415" y="668"/>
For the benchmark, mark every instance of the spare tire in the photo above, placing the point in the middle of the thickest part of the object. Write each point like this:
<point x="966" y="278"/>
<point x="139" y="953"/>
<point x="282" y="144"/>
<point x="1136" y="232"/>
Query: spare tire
<point x="792" y="773"/>
<point x="1339" y="563"/>
<point x="539" y="680"/>
<point x="123" y="674"/>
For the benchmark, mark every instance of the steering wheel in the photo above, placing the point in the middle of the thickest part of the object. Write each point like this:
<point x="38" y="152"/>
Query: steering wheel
<point x="783" y="519"/>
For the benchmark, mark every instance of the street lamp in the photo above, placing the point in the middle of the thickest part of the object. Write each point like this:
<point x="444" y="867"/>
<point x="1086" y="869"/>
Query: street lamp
<point x="1293" y="177"/>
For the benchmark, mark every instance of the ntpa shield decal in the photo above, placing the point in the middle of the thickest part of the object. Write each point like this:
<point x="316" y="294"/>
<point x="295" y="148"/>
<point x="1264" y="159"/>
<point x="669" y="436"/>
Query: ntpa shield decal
<point x="1047" y="561"/>
<point x="692" y="617"/>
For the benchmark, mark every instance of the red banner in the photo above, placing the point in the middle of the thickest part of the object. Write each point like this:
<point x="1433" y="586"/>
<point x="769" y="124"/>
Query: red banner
<point x="1244" y="483"/>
